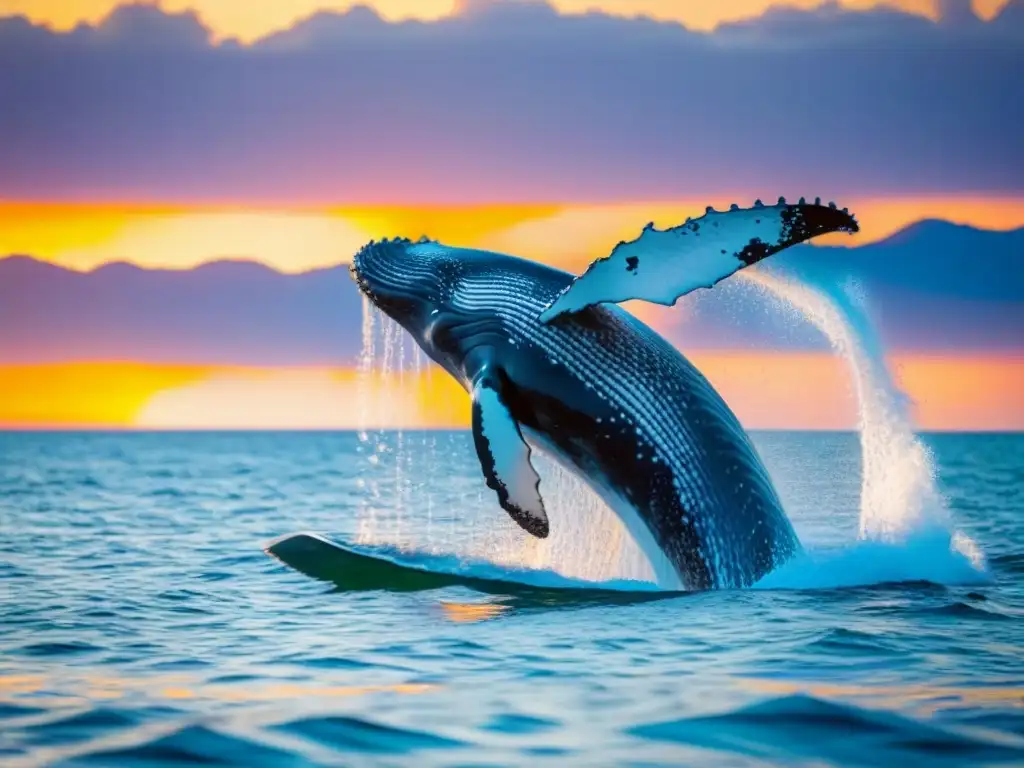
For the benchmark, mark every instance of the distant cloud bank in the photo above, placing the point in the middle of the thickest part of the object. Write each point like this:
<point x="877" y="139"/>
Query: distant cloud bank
<point x="513" y="102"/>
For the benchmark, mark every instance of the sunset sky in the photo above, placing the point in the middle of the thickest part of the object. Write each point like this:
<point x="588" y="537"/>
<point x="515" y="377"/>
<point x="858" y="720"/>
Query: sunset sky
<point x="180" y="133"/>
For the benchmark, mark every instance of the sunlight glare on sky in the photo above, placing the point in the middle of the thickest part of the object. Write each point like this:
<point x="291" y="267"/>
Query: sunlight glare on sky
<point x="768" y="390"/>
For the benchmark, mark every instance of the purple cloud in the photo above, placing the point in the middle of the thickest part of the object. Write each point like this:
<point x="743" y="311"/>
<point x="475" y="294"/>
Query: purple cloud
<point x="513" y="102"/>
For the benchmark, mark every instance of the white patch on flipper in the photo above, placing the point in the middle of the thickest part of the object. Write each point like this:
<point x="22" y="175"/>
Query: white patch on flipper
<point x="510" y="461"/>
<point x="662" y="266"/>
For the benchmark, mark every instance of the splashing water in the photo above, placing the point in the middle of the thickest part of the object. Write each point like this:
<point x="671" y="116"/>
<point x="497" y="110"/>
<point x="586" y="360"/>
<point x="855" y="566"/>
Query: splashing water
<point x="905" y="530"/>
<point x="367" y="509"/>
<point x="898" y="492"/>
<point x="382" y="339"/>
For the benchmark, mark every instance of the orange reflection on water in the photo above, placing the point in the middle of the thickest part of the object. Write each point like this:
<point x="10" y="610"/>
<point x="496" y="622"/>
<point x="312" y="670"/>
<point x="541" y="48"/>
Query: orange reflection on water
<point x="928" y="698"/>
<point x="72" y="689"/>
<point x="470" y="613"/>
<point x="177" y="693"/>
<point x="15" y="684"/>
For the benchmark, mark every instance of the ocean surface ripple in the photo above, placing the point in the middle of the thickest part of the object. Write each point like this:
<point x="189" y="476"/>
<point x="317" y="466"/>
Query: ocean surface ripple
<point x="142" y="623"/>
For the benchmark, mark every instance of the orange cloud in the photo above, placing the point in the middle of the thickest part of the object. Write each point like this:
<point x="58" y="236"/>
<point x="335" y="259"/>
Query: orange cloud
<point x="249" y="21"/>
<point x="767" y="391"/>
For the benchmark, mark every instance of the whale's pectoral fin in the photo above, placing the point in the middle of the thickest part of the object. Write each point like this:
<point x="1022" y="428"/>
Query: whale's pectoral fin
<point x="505" y="458"/>
<point x="662" y="266"/>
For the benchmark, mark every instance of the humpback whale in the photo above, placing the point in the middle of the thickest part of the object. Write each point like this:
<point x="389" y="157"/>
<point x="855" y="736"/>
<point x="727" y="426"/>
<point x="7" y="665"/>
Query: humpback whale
<point x="552" y="363"/>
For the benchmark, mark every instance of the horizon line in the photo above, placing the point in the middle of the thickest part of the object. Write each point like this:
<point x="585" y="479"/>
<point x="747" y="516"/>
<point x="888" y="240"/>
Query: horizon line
<point x="904" y="353"/>
<point x="100" y="429"/>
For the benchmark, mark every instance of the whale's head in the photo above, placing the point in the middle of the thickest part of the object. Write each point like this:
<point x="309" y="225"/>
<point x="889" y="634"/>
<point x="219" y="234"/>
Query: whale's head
<point x="404" y="281"/>
<point x="413" y="283"/>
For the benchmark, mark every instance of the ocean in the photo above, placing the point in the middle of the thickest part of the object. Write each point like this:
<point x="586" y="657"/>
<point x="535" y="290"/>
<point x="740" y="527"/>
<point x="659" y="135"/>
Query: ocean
<point x="142" y="623"/>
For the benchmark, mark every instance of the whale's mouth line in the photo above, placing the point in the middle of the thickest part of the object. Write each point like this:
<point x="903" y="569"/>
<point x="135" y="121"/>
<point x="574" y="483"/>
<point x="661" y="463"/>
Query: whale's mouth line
<point x="376" y="289"/>
<point x="399" y="301"/>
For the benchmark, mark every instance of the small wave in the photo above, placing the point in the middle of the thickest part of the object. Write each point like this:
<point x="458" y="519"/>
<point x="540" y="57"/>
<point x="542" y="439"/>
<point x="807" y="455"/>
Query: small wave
<point x="520" y="724"/>
<point x="11" y="571"/>
<point x="803" y="727"/>
<point x="82" y="725"/>
<point x="960" y="610"/>
<point x="58" y="649"/>
<point x="1010" y="563"/>
<point x="191" y="745"/>
<point x="1006" y="721"/>
<point x="329" y="662"/>
<point x="927" y="557"/>
<point x="10" y="711"/>
<point x="168" y="492"/>
<point x="234" y="678"/>
<point x="851" y="641"/>
<point x="356" y="734"/>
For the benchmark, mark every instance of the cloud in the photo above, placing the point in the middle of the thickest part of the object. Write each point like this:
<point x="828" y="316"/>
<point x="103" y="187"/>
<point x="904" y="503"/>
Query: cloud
<point x="511" y="102"/>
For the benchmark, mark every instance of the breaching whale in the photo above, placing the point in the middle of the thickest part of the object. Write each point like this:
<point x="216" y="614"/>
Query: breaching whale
<point x="550" y="362"/>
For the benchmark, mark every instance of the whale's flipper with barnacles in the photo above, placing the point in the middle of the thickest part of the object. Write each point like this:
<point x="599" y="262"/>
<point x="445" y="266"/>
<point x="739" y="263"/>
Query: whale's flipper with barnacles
<point x="662" y="266"/>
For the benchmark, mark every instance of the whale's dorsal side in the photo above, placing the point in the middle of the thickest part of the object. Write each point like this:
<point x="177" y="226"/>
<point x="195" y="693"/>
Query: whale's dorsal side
<point x="662" y="266"/>
<point x="505" y="456"/>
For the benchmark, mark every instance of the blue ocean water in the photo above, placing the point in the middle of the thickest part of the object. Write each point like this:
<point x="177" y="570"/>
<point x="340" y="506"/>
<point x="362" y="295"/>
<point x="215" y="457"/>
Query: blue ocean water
<point x="142" y="623"/>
